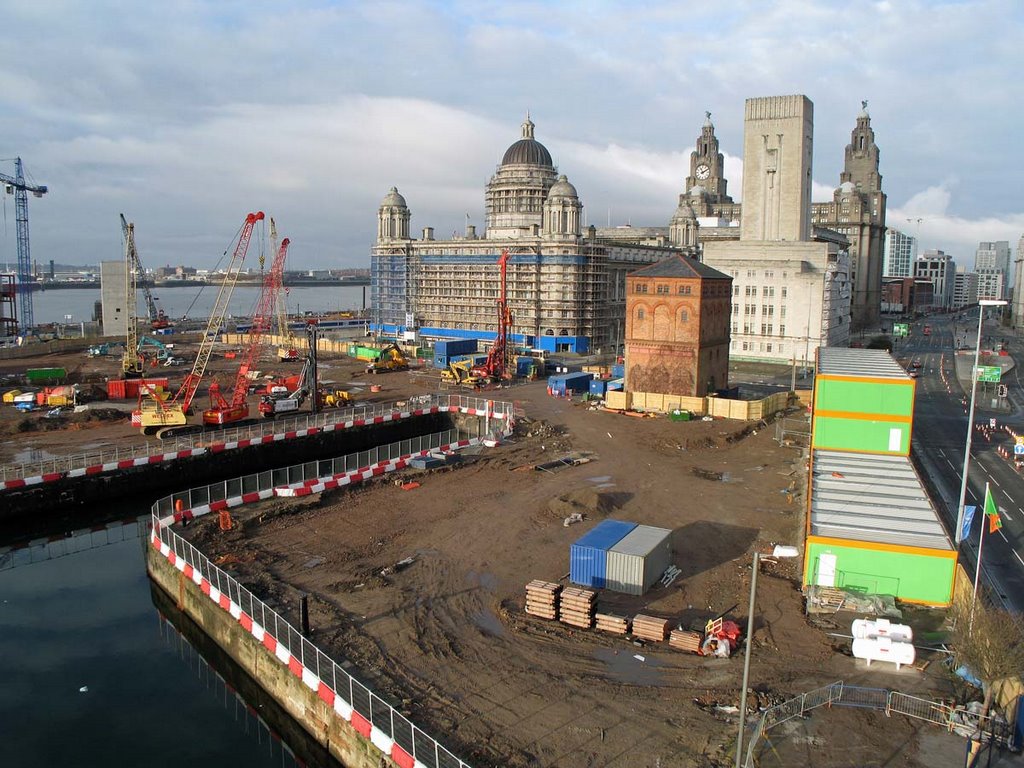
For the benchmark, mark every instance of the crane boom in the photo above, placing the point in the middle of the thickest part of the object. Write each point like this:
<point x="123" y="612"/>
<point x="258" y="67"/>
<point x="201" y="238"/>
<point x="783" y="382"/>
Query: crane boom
<point x="151" y="308"/>
<point x="20" y="188"/>
<point x="184" y="396"/>
<point x="130" y="363"/>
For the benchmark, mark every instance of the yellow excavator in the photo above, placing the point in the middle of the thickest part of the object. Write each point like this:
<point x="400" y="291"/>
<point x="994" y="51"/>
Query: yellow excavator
<point x="460" y="374"/>
<point x="391" y="358"/>
<point x="337" y="398"/>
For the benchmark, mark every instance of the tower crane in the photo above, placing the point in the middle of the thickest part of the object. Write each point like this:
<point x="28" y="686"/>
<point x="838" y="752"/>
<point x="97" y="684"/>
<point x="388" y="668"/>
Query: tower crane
<point x="165" y="419"/>
<point x="20" y="188"/>
<point x="498" y="364"/>
<point x="223" y="411"/>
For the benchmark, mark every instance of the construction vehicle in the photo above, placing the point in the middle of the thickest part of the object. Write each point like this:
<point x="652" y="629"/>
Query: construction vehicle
<point x="460" y="374"/>
<point x="133" y="362"/>
<point x="170" y="417"/>
<point x="336" y="398"/>
<point x="222" y="410"/>
<point x="104" y="349"/>
<point x="391" y="358"/>
<point x="273" y="404"/>
<point x="287" y="351"/>
<point x="499" y="364"/>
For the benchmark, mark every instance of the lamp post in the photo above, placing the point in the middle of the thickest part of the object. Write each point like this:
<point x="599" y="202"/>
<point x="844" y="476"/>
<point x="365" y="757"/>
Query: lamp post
<point x="780" y="551"/>
<point x="959" y="534"/>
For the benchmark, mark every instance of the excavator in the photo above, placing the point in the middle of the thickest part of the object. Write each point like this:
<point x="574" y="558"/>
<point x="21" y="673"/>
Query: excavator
<point x="460" y="374"/>
<point x="391" y="358"/>
<point x="169" y="418"/>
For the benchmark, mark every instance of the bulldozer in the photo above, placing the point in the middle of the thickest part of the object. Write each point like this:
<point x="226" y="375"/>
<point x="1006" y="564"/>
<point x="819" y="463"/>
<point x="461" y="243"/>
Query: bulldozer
<point x="391" y="358"/>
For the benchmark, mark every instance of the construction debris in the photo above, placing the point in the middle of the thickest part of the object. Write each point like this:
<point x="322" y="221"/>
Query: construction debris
<point x="670" y="575"/>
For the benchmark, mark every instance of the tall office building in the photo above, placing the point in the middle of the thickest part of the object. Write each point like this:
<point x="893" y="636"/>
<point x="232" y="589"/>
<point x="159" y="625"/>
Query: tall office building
<point x="939" y="268"/>
<point x="991" y="260"/>
<point x="1017" y="315"/>
<point x="791" y="293"/>
<point x="898" y="254"/>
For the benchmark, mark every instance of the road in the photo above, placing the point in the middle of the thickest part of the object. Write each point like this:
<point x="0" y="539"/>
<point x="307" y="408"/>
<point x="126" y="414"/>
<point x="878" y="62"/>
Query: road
<point x="940" y="424"/>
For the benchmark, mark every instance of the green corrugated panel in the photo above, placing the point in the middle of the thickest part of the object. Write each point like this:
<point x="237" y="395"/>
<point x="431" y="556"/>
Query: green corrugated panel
<point x="864" y="397"/>
<point x="905" y="575"/>
<point x="875" y="436"/>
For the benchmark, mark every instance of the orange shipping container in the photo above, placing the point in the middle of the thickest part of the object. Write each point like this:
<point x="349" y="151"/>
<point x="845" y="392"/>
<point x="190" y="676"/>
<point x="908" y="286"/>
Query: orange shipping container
<point x="116" y="389"/>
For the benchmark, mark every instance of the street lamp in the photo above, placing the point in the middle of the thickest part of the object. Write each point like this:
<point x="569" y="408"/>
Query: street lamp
<point x="959" y="534"/>
<point x="779" y="551"/>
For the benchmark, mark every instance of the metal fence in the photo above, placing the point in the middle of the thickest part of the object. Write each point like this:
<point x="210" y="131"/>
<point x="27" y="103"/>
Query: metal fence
<point x="375" y="710"/>
<point x="309" y="470"/>
<point x="958" y="719"/>
<point x="59" y="464"/>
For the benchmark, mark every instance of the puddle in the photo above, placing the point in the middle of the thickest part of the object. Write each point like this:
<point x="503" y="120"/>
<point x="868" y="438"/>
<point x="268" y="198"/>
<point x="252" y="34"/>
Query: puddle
<point x="486" y="580"/>
<point x="600" y="479"/>
<point x="622" y="666"/>
<point x="602" y="486"/>
<point x="32" y="454"/>
<point x="489" y="623"/>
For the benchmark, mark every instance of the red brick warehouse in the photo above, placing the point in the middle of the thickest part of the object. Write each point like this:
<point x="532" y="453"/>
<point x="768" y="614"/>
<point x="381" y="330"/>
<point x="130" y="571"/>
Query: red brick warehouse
<point x="677" y="328"/>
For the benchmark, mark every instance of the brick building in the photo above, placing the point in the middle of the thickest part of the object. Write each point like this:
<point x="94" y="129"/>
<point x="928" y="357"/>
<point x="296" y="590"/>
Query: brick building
<point x="677" y="328"/>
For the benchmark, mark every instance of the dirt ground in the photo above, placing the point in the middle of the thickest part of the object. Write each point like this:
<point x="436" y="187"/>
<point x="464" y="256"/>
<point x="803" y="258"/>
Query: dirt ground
<point x="446" y="638"/>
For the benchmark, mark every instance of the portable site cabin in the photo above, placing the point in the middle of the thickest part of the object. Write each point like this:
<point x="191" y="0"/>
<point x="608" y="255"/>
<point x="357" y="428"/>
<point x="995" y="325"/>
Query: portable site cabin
<point x="872" y="528"/>
<point x="863" y="402"/>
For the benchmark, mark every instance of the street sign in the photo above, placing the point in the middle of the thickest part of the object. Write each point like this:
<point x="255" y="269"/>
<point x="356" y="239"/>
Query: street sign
<point x="901" y="329"/>
<point x="991" y="423"/>
<point x="1019" y="439"/>
<point x="991" y="373"/>
<point x="1018" y="449"/>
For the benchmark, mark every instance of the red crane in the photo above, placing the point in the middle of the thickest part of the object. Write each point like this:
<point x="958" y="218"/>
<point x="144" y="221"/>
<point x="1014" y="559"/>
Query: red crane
<point x="223" y="411"/>
<point x="497" y="366"/>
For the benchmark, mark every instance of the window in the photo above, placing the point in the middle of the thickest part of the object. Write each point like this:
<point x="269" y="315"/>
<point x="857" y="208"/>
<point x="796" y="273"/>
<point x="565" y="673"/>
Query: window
<point x="640" y="314"/>
<point x="662" y="289"/>
<point x="735" y="290"/>
<point x="784" y="291"/>
<point x="685" y="290"/>
<point x="683" y="316"/>
<point x="746" y="345"/>
<point x="735" y="327"/>
<point x="751" y="290"/>
<point x="782" y="311"/>
<point x="782" y="330"/>
<point x="771" y="291"/>
<point x="764" y="329"/>
<point x="769" y="273"/>
<point x="641" y="287"/>
<point x="770" y="330"/>
<point x="769" y="347"/>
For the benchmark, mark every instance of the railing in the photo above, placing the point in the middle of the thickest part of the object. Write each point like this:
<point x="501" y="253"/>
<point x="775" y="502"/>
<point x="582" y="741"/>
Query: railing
<point x="954" y="719"/>
<point x="300" y="473"/>
<point x="353" y="695"/>
<point x="61" y="464"/>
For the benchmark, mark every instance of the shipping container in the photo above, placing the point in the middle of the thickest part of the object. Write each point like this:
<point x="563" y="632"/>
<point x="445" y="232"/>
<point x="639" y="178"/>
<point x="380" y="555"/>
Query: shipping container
<point x="451" y="347"/>
<point x="45" y="375"/>
<point x="638" y="560"/>
<point x="25" y="397"/>
<point x="529" y="366"/>
<point x="616" y="385"/>
<point x="132" y="387"/>
<point x="440" y="362"/>
<point x="562" y="384"/>
<point x="598" y="387"/>
<point x="618" y="371"/>
<point x="115" y="389"/>
<point x="863" y="402"/>
<point x="11" y="394"/>
<point x="588" y="555"/>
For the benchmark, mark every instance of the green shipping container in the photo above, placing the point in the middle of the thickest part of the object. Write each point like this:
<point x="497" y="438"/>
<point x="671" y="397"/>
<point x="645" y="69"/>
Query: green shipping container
<point x="912" y="574"/>
<point x="43" y="375"/>
<point x="863" y="401"/>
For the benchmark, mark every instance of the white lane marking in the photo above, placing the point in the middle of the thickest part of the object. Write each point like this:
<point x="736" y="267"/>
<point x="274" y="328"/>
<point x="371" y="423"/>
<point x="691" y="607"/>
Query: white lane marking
<point x="994" y="480"/>
<point x="1017" y="555"/>
<point x="951" y="465"/>
<point x="1000" y="532"/>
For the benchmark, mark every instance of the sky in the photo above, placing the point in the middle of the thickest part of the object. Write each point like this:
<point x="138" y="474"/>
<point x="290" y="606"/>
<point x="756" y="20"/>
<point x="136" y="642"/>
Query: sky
<point x="187" y="115"/>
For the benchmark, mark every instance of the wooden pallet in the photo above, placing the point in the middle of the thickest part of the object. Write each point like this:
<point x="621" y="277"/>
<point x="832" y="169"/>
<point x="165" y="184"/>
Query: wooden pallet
<point x="650" y="627"/>
<point x="685" y="640"/>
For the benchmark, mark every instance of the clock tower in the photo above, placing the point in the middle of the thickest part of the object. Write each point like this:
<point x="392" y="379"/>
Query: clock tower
<point x="707" y="165"/>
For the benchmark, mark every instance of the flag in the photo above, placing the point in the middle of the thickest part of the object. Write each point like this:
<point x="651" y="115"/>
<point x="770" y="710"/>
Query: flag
<point x="992" y="512"/>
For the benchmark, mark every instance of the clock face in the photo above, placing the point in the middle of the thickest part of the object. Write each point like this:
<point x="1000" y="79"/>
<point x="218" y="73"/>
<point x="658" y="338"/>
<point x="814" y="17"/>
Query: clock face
<point x="703" y="171"/>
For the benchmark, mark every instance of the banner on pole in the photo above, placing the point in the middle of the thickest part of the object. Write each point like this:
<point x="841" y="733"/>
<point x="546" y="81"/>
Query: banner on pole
<point x="969" y="511"/>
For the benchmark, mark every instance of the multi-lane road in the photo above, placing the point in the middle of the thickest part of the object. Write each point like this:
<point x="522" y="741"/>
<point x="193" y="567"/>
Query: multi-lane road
<point x="939" y="435"/>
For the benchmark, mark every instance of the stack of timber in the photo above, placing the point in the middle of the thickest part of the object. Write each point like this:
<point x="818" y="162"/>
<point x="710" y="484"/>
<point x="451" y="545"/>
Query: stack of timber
<point x="650" y="627"/>
<point x="542" y="599"/>
<point x="576" y="607"/>
<point x="685" y="640"/>
<point x="609" y="622"/>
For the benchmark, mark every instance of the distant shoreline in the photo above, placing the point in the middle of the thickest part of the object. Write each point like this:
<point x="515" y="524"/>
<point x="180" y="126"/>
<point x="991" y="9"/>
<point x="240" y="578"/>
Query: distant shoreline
<point x="94" y="285"/>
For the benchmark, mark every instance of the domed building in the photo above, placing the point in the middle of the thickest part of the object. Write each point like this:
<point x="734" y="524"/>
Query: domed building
<point x="566" y="286"/>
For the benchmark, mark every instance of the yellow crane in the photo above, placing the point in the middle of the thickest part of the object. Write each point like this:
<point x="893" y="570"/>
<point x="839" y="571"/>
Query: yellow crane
<point x="287" y="352"/>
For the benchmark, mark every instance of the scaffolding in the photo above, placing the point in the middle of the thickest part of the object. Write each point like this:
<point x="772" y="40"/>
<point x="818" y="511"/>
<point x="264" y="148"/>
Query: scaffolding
<point x="8" y="306"/>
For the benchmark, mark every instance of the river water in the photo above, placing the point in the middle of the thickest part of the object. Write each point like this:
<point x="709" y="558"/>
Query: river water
<point x="53" y="306"/>
<point x="93" y="676"/>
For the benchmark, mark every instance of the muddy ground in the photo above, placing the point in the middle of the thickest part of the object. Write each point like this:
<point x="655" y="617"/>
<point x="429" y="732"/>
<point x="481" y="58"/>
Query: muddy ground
<point x="447" y="640"/>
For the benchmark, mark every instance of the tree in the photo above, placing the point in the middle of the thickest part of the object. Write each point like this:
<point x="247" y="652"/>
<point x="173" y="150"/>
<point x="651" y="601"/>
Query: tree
<point x="989" y="642"/>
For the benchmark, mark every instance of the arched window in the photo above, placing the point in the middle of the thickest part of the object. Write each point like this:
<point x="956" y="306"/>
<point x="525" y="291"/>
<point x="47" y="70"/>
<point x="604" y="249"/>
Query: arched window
<point x="640" y="314"/>
<point x="683" y="316"/>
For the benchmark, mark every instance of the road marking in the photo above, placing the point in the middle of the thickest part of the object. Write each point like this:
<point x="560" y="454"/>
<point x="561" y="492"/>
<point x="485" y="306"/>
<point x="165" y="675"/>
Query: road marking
<point x="993" y="480"/>
<point x="951" y="465"/>
<point x="1015" y="554"/>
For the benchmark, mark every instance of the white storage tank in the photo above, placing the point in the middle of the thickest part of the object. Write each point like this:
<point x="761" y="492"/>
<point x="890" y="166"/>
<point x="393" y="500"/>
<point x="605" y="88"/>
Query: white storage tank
<point x="883" y="649"/>
<point x="638" y="560"/>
